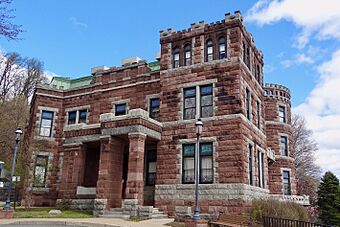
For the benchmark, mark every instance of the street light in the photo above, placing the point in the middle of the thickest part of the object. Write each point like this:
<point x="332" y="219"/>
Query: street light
<point x="199" y="128"/>
<point x="18" y="133"/>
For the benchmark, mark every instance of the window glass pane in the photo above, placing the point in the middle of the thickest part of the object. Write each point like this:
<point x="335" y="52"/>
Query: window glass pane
<point x="190" y="113"/>
<point x="189" y="150"/>
<point x="189" y="92"/>
<point x="152" y="167"/>
<point x="206" y="90"/>
<point x="206" y="111"/>
<point x="82" y="116"/>
<point x="46" y="123"/>
<point x="189" y="170"/>
<point x="72" y="117"/>
<point x="120" y="109"/>
<point x="210" y="50"/>
<point x="45" y="131"/>
<point x="206" y="100"/>
<point x="154" y="102"/>
<point x="206" y="149"/>
<point x="222" y="47"/>
<point x="42" y="161"/>
<point x="47" y="115"/>
<point x="206" y="170"/>
<point x="190" y="102"/>
<point x="176" y="57"/>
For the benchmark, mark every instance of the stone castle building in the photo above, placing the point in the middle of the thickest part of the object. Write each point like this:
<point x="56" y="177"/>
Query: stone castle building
<point x="124" y="137"/>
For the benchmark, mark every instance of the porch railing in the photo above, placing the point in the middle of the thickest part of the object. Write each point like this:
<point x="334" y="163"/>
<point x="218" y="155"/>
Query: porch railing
<point x="280" y="222"/>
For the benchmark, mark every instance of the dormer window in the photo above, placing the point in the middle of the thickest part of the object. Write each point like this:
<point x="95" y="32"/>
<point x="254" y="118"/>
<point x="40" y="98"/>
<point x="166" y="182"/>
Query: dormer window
<point x="187" y="54"/>
<point x="221" y="48"/>
<point x="209" y="51"/>
<point x="175" y="55"/>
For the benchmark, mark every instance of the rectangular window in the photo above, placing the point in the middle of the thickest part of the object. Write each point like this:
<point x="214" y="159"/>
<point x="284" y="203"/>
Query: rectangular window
<point x="151" y="167"/>
<point x="206" y="163"/>
<point x="286" y="183"/>
<point x="190" y="103"/>
<point x="72" y="117"/>
<point x="120" y="109"/>
<point x="283" y="146"/>
<point x="250" y="164"/>
<point x="40" y="171"/>
<point x="154" y="108"/>
<point x="188" y="171"/>
<point x="248" y="104"/>
<point x="260" y="169"/>
<point x="82" y="116"/>
<point x="206" y="101"/>
<point x="46" y="123"/>
<point x="258" y="112"/>
<point x="210" y="52"/>
<point x="282" y="114"/>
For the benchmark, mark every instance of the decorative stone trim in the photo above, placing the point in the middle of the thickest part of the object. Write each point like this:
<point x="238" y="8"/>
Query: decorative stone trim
<point x="77" y="108"/>
<point x="80" y="126"/>
<point x="210" y="192"/>
<point x="81" y="139"/>
<point x="131" y="128"/>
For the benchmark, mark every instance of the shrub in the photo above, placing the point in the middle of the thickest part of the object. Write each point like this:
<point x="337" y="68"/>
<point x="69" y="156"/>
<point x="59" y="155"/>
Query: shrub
<point x="277" y="209"/>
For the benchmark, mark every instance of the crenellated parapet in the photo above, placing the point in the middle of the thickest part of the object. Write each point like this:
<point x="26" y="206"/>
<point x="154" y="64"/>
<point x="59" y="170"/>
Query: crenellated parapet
<point x="277" y="91"/>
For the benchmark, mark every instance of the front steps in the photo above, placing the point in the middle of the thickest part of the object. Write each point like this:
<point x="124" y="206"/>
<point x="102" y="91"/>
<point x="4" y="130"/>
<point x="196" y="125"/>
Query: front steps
<point x="120" y="213"/>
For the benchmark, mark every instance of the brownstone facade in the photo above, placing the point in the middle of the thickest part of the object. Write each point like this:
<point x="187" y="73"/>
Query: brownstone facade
<point x="125" y="135"/>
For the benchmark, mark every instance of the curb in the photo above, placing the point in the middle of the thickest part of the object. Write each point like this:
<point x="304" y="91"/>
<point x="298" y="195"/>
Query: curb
<point x="62" y="223"/>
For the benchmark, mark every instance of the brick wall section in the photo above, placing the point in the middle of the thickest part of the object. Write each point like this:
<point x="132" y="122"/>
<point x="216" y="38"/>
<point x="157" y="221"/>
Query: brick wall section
<point x="109" y="184"/>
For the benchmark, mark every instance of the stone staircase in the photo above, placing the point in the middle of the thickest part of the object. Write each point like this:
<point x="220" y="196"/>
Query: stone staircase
<point x="120" y="213"/>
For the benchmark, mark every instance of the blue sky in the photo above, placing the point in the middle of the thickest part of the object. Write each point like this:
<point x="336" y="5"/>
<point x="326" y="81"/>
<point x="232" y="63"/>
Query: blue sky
<point x="71" y="36"/>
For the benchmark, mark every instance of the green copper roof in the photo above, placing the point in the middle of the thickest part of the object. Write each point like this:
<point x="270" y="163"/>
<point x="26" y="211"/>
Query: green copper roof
<point x="154" y="66"/>
<point x="65" y="83"/>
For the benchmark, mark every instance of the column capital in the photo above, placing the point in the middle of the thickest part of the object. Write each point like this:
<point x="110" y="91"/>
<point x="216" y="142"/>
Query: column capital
<point x="136" y="135"/>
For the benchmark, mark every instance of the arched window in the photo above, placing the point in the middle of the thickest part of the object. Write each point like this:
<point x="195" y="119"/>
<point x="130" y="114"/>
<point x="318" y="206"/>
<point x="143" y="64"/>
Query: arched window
<point x="221" y="48"/>
<point x="209" y="51"/>
<point x="175" y="58"/>
<point x="187" y="54"/>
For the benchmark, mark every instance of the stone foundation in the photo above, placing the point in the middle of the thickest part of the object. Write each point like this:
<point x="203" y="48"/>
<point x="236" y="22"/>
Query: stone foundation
<point x="78" y="204"/>
<point x="131" y="207"/>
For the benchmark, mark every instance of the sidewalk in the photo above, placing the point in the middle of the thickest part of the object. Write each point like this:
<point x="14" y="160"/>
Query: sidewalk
<point x="97" y="222"/>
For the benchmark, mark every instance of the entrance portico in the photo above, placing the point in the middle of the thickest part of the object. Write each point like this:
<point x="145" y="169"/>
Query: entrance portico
<point x="109" y="168"/>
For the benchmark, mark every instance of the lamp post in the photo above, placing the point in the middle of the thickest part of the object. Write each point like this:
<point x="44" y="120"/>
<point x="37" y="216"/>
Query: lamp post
<point x="199" y="127"/>
<point x="18" y="133"/>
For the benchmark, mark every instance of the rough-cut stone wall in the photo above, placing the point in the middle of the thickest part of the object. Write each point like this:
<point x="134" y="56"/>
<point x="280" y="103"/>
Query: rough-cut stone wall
<point x="228" y="129"/>
<point x="276" y="96"/>
<point x="109" y="184"/>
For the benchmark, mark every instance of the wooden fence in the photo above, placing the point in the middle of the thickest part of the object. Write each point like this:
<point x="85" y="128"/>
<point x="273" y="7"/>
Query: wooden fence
<point x="280" y="222"/>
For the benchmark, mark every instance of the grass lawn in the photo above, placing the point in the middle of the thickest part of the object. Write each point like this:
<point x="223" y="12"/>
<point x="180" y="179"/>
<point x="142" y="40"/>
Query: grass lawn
<point x="42" y="212"/>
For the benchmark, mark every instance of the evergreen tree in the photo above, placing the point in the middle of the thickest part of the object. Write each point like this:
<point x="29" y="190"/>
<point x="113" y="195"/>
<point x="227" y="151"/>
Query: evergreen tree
<point x="329" y="199"/>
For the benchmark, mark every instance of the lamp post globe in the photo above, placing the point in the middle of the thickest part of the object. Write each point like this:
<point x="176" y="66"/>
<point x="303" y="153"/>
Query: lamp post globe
<point x="18" y="133"/>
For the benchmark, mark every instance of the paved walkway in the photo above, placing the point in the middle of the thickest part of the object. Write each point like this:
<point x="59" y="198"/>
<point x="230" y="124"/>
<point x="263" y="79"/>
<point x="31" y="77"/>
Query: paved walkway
<point x="96" y="222"/>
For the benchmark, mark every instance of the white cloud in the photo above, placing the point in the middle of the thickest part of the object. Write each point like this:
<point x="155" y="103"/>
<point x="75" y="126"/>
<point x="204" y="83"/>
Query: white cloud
<point x="77" y="24"/>
<point x="297" y="60"/>
<point x="322" y="112"/>
<point x="318" y="17"/>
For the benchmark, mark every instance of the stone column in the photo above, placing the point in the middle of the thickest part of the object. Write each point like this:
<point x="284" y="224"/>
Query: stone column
<point x="109" y="184"/>
<point x="135" y="179"/>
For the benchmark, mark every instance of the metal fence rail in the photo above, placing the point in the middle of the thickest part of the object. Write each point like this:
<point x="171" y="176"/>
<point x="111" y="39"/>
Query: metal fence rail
<point x="280" y="222"/>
